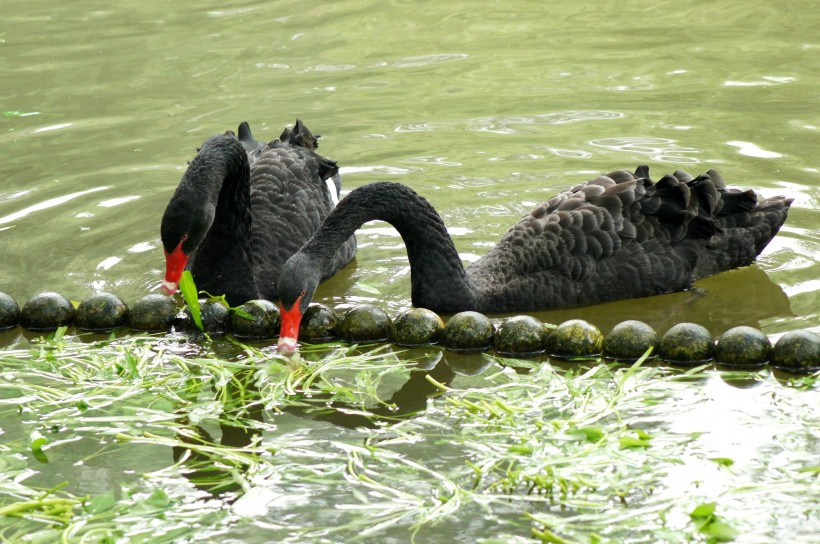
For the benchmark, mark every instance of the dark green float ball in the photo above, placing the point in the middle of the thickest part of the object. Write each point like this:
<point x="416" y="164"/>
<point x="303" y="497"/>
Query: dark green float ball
<point x="214" y="317"/>
<point x="101" y="312"/>
<point x="47" y="311"/>
<point x="798" y="352"/>
<point x="264" y="320"/>
<point x="686" y="344"/>
<point x="152" y="313"/>
<point x="467" y="331"/>
<point x="416" y="327"/>
<point x="576" y="338"/>
<point x="743" y="347"/>
<point x="365" y="323"/>
<point x="629" y="340"/>
<point x="319" y="324"/>
<point x="520" y="335"/>
<point x="9" y="312"/>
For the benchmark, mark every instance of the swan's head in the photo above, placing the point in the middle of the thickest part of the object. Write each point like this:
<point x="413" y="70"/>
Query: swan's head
<point x="183" y="228"/>
<point x="297" y="285"/>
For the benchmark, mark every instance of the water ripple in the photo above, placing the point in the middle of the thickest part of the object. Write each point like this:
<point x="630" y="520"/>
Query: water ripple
<point x="509" y="124"/>
<point x="425" y="60"/>
<point x="656" y="149"/>
<point x="50" y="203"/>
<point x="764" y="81"/>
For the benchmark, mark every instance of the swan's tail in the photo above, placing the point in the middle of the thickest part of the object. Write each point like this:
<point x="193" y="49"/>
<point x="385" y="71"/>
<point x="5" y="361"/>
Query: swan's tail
<point x="714" y="227"/>
<point x="300" y="136"/>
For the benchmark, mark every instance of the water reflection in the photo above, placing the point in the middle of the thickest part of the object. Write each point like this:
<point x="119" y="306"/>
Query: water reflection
<point x="242" y="403"/>
<point x="745" y="296"/>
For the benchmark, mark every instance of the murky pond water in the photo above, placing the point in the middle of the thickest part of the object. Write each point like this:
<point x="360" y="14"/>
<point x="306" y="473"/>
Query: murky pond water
<point x="487" y="111"/>
<point x="485" y="108"/>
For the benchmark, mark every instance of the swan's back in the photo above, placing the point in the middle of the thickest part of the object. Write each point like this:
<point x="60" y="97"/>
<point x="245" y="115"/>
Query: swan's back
<point x="624" y="236"/>
<point x="290" y="198"/>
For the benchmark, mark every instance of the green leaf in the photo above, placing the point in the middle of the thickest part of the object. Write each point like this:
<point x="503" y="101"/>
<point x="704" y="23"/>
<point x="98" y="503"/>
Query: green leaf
<point x="218" y="299"/>
<point x="131" y="364"/>
<point x="37" y="441"/>
<point x="242" y="313"/>
<point x="592" y="434"/>
<point x="191" y="296"/>
<point x="703" y="510"/>
<point x="640" y="440"/>
<point x="711" y="525"/>
<point x="101" y="503"/>
<point x="158" y="499"/>
<point x="720" y="531"/>
<point x="723" y="461"/>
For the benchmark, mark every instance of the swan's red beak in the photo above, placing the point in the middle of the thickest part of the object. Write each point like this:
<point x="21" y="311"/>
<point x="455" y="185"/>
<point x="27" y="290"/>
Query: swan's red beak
<point x="174" y="266"/>
<point x="289" y="333"/>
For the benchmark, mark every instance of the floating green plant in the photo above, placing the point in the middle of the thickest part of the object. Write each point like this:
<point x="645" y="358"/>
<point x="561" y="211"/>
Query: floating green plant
<point x="224" y="440"/>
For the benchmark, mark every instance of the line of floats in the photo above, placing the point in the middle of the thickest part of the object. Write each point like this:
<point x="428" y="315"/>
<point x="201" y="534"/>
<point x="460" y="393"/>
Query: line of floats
<point x="519" y="336"/>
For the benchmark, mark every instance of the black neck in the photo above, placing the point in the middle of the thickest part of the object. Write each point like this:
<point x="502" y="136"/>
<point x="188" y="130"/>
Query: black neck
<point x="220" y="180"/>
<point x="437" y="275"/>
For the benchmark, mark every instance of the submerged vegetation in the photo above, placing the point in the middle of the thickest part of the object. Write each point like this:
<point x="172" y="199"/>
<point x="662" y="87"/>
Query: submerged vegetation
<point x="158" y="439"/>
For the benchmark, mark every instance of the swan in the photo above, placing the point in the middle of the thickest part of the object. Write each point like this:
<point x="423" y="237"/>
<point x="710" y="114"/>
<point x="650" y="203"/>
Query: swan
<point x="243" y="207"/>
<point x="618" y="236"/>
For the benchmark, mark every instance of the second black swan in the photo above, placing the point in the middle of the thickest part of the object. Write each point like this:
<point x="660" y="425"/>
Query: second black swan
<point x="243" y="207"/>
<point x="618" y="236"/>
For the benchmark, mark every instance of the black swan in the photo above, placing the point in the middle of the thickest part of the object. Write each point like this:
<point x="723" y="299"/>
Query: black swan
<point x="618" y="236"/>
<point x="243" y="208"/>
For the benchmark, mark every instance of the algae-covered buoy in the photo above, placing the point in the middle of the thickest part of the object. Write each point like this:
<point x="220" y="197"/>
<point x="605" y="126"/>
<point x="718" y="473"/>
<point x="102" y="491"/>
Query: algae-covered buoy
<point x="47" y="311"/>
<point x="152" y="313"/>
<point x="255" y="319"/>
<point x="213" y="313"/>
<point x="629" y="340"/>
<point x="743" y="347"/>
<point x="319" y="324"/>
<point x="365" y="323"/>
<point x="467" y="331"/>
<point x="9" y="312"/>
<point x="798" y="352"/>
<point x="416" y="327"/>
<point x="686" y="343"/>
<point x="576" y="338"/>
<point x="101" y="312"/>
<point x="520" y="335"/>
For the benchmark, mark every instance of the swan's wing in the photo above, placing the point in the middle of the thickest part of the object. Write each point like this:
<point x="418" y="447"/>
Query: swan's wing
<point x="623" y="236"/>
<point x="290" y="200"/>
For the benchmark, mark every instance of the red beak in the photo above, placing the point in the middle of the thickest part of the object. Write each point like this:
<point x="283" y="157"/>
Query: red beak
<point x="289" y="333"/>
<point x="174" y="266"/>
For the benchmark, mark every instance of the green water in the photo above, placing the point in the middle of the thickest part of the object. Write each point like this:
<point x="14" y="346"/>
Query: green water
<point x="485" y="108"/>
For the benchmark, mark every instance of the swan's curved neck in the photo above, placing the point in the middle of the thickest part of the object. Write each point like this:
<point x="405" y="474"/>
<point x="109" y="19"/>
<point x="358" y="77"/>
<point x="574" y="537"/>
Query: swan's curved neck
<point x="219" y="178"/>
<point x="437" y="275"/>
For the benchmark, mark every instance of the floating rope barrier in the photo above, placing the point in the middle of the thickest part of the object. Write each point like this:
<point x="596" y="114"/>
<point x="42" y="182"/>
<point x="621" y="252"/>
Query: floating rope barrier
<point x="519" y="336"/>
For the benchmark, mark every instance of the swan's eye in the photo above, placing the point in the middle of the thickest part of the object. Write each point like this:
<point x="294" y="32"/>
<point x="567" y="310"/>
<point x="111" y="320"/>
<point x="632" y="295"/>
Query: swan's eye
<point x="302" y="293"/>
<point x="183" y="238"/>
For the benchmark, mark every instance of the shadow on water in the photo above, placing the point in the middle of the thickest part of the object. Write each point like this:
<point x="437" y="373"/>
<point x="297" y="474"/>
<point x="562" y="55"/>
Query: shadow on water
<point x="243" y="405"/>
<point x="745" y="296"/>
